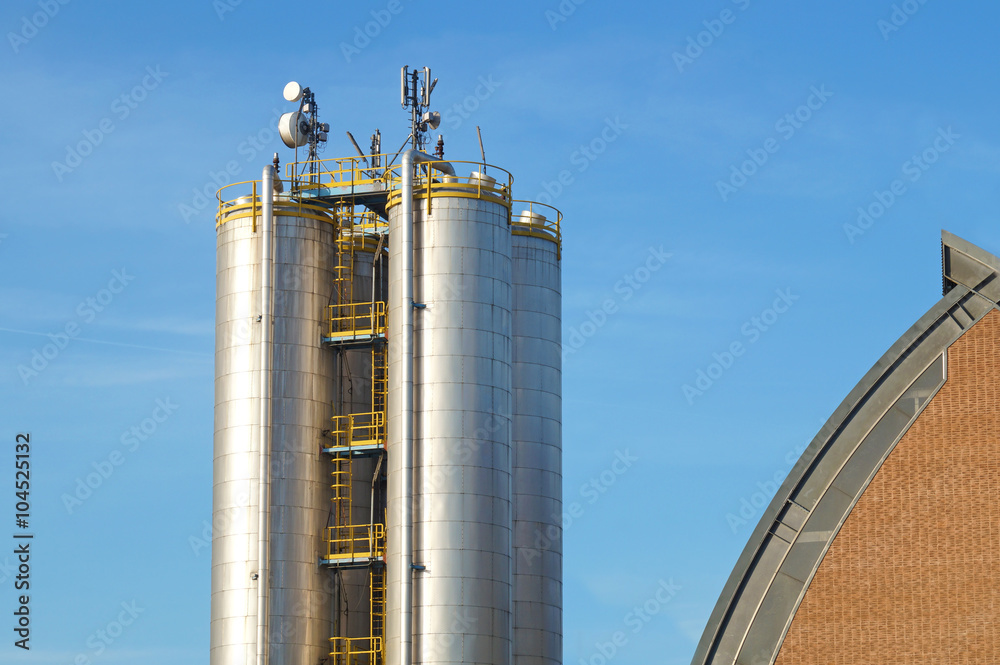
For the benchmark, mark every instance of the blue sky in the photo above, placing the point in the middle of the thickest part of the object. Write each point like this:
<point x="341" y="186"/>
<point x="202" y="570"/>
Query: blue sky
<point x="738" y="137"/>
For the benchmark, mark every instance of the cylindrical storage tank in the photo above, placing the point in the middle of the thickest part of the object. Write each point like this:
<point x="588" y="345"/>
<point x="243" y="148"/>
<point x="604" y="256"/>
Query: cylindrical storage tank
<point x="536" y="438"/>
<point x="302" y="391"/>
<point x="461" y="480"/>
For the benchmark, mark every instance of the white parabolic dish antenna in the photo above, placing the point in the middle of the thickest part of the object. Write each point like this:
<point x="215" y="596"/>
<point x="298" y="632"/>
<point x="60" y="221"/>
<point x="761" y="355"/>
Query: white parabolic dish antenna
<point x="293" y="92"/>
<point x="294" y="129"/>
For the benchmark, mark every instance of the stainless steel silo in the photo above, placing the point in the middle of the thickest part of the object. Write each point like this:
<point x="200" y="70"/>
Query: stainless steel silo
<point x="301" y="398"/>
<point x="461" y="397"/>
<point x="537" y="436"/>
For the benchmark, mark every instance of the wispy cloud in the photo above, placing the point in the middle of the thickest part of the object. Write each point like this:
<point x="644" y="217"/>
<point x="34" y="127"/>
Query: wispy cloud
<point x="53" y="657"/>
<point x="166" y="325"/>
<point x="111" y="343"/>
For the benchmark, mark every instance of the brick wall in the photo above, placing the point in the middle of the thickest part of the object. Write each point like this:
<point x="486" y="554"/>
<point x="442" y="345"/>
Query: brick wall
<point x="914" y="575"/>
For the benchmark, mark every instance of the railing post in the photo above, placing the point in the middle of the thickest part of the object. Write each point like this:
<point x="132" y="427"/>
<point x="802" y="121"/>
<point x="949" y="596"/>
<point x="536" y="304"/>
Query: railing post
<point x="253" y="207"/>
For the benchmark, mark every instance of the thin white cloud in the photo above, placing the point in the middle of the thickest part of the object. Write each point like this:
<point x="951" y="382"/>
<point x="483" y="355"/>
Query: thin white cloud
<point x="54" y="657"/>
<point x="165" y="325"/>
<point x="121" y="376"/>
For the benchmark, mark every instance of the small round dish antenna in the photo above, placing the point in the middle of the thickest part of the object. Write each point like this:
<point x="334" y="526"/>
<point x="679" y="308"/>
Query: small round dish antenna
<point x="430" y="119"/>
<point x="293" y="92"/>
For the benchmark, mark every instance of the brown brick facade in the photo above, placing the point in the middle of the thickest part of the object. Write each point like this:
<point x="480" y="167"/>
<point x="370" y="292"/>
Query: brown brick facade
<point x="914" y="575"/>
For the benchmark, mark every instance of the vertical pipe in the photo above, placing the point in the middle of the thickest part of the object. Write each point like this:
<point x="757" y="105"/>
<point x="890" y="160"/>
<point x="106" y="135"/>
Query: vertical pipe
<point x="264" y="489"/>
<point x="406" y="546"/>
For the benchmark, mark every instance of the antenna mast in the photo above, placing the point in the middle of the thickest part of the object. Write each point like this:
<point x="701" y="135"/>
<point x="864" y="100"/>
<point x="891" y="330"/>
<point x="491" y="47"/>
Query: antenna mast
<point x="303" y="127"/>
<point x="415" y="90"/>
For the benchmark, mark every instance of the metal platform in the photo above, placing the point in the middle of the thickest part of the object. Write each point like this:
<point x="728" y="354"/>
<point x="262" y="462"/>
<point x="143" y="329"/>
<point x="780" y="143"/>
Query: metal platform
<point x="351" y="562"/>
<point x="354" y="339"/>
<point x="362" y="450"/>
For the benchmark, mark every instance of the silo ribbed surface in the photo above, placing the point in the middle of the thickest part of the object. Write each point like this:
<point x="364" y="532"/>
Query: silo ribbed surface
<point x="462" y="458"/>
<point x="302" y="392"/>
<point x="237" y="423"/>
<point x="537" y="449"/>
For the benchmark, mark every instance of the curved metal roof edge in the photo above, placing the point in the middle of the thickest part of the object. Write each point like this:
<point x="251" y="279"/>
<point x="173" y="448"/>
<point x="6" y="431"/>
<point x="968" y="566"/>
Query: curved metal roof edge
<point x="969" y="272"/>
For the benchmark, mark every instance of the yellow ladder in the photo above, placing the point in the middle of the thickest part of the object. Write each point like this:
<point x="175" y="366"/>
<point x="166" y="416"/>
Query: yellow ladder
<point x="380" y="382"/>
<point x="343" y="270"/>
<point x="355" y="434"/>
<point x="343" y="473"/>
<point x="376" y="583"/>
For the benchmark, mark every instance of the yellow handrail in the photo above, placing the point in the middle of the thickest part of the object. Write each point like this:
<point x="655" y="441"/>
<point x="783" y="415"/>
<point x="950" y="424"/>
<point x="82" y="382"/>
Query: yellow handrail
<point x="358" y="429"/>
<point x="357" y="318"/>
<point x="539" y="220"/>
<point x="348" y="650"/>
<point x="340" y="171"/>
<point x="474" y="186"/>
<point x="236" y="204"/>
<point x="354" y="541"/>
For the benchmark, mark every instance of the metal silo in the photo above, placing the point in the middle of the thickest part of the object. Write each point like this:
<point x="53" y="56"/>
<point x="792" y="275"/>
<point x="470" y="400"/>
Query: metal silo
<point x="459" y="506"/>
<point x="297" y="476"/>
<point x="388" y="411"/>
<point x="537" y="436"/>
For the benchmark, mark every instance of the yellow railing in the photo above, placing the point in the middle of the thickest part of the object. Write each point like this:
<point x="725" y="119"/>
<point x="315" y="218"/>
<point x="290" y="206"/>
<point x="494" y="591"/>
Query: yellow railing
<point x="495" y="185"/>
<point x="538" y="220"/>
<point x="360" y="224"/>
<point x="358" y="429"/>
<point x="355" y="650"/>
<point x="357" y="319"/>
<point x="338" y="172"/>
<point x="242" y="199"/>
<point x="353" y="541"/>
